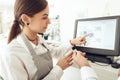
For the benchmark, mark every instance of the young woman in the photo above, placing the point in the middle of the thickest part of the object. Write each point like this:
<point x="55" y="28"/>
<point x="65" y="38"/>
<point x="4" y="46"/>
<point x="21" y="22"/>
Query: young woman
<point x="28" y="57"/>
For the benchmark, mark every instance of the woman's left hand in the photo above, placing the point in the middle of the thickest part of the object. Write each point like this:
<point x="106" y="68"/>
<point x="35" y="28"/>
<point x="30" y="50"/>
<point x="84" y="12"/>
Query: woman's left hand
<point x="79" y="40"/>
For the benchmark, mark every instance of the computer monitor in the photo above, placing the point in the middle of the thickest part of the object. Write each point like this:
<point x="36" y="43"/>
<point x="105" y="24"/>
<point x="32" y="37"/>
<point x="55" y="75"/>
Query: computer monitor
<point x="103" y="35"/>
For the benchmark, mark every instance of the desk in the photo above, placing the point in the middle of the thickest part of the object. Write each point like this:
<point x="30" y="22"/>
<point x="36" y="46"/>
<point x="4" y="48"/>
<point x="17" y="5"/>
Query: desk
<point x="103" y="72"/>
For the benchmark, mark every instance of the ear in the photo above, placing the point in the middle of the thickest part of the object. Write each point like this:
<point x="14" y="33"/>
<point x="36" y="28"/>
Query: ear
<point x="25" y="19"/>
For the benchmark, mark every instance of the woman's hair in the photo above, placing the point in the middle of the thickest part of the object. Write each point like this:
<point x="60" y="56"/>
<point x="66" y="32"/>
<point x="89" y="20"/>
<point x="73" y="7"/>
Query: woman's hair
<point x="28" y="7"/>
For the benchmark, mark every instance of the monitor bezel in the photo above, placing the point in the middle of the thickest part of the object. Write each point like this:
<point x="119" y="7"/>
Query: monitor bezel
<point x="97" y="51"/>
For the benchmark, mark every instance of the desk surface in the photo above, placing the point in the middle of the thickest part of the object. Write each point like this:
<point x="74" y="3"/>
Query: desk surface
<point x="103" y="72"/>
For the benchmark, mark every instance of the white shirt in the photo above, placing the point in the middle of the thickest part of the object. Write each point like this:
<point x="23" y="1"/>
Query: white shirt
<point x="118" y="78"/>
<point x="87" y="73"/>
<point x="19" y="63"/>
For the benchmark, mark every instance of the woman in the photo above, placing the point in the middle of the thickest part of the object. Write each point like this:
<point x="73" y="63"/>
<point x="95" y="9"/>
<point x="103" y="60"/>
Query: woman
<point x="28" y="57"/>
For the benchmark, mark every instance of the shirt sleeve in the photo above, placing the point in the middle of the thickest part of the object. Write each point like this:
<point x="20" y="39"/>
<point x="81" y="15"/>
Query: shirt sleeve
<point x="61" y="50"/>
<point x="87" y="73"/>
<point x="118" y="78"/>
<point x="15" y="69"/>
<point x="55" y="74"/>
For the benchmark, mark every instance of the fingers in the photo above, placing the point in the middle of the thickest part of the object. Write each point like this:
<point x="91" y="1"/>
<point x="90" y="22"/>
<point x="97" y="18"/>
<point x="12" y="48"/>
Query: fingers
<point x="69" y="54"/>
<point x="74" y="54"/>
<point x="83" y="37"/>
<point x="68" y="59"/>
<point x="83" y="42"/>
<point x="70" y="63"/>
<point x="119" y="73"/>
<point x="78" y="53"/>
<point x="84" y="54"/>
<point x="65" y="62"/>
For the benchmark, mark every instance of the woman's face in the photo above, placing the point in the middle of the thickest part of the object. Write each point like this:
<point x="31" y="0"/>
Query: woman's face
<point x="39" y="22"/>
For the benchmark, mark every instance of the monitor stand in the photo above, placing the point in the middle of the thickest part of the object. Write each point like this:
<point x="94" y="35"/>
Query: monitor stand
<point x="103" y="59"/>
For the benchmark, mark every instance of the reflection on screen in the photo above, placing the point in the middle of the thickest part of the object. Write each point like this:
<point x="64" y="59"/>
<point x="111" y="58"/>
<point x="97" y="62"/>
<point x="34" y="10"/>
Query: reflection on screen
<point x="101" y="33"/>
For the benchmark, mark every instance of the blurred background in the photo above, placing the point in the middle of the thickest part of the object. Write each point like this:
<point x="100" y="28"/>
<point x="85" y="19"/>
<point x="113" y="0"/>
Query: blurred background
<point x="63" y="14"/>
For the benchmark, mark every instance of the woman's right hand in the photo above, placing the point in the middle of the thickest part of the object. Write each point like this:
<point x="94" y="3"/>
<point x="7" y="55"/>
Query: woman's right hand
<point x="78" y="58"/>
<point x="66" y="61"/>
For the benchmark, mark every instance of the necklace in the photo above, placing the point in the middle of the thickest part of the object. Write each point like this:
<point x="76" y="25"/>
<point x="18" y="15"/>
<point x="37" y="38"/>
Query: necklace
<point x="35" y="41"/>
<point x="32" y="39"/>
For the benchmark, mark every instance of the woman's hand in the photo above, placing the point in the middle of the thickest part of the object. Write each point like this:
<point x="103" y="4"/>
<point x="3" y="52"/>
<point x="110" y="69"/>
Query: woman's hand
<point x="66" y="61"/>
<point x="79" y="59"/>
<point x="119" y="73"/>
<point x="79" y="40"/>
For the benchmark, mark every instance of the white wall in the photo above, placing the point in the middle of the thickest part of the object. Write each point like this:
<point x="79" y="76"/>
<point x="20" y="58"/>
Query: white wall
<point x="69" y="10"/>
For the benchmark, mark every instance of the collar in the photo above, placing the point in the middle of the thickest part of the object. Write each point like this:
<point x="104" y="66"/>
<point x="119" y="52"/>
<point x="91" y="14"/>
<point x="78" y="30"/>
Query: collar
<point x="40" y="41"/>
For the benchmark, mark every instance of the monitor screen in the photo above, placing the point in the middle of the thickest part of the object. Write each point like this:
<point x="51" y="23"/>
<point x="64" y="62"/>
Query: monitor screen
<point x="103" y="35"/>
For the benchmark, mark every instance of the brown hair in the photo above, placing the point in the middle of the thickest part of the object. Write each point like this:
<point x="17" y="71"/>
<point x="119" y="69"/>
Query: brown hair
<point x="28" y="7"/>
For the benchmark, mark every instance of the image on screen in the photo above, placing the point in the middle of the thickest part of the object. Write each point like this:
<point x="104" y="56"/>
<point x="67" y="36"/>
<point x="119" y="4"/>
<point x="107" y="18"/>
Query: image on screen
<point x="101" y="33"/>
